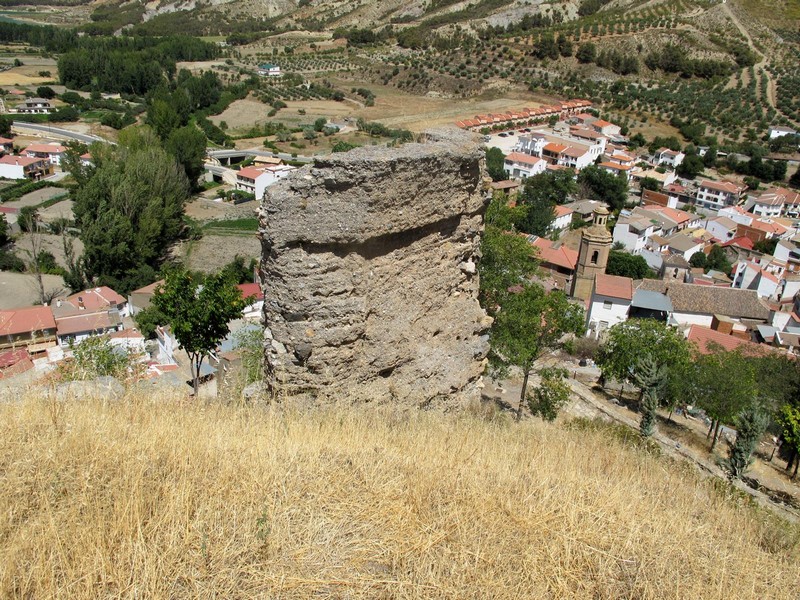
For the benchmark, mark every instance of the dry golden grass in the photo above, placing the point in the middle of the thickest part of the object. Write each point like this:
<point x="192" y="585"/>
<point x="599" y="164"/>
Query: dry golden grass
<point x="154" y="498"/>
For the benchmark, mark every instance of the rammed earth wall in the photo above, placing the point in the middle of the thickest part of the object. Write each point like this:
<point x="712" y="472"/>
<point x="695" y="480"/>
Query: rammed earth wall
<point x="369" y="270"/>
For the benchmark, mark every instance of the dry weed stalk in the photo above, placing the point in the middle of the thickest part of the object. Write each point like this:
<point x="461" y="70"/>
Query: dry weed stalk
<point x="153" y="497"/>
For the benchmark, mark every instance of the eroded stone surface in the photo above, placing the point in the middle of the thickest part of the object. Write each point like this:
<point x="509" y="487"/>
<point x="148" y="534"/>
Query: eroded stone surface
<point x="369" y="274"/>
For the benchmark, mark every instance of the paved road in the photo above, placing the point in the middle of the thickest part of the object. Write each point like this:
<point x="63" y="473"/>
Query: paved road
<point x="224" y="154"/>
<point x="57" y="131"/>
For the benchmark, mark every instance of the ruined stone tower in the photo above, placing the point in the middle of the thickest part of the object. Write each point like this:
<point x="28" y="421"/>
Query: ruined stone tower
<point x="593" y="255"/>
<point x="370" y="283"/>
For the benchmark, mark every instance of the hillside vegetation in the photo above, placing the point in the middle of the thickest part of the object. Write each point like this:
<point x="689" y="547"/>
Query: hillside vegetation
<point x="153" y="497"/>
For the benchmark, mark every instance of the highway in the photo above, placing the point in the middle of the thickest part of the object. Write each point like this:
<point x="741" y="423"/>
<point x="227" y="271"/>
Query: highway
<point x="230" y="153"/>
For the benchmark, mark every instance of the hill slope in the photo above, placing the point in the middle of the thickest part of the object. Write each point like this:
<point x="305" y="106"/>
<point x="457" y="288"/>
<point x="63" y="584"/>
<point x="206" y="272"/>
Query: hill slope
<point x="154" y="498"/>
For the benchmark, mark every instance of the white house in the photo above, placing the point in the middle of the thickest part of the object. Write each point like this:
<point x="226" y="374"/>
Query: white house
<point x="254" y="180"/>
<point x="718" y="194"/>
<point x="522" y="166"/>
<point x="23" y="167"/>
<point x="576" y="158"/>
<point x="722" y="228"/>
<point x="667" y="157"/>
<point x="609" y="303"/>
<point x="780" y="131"/>
<point x="684" y="245"/>
<point x="750" y="275"/>
<point x="563" y="217"/>
<point x="736" y="214"/>
<point x="269" y="70"/>
<point x="698" y="304"/>
<point x="35" y="106"/>
<point x="774" y="202"/>
<point x="605" y="127"/>
<point x="531" y="144"/>
<point x="52" y="152"/>
<point x="617" y="169"/>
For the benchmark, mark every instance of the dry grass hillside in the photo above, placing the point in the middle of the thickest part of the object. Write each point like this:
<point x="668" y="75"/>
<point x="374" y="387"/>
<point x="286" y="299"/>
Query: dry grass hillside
<point x="157" y="498"/>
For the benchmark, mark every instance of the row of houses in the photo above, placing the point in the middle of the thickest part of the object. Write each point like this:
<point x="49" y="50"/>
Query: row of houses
<point x="708" y="316"/>
<point x="46" y="334"/>
<point x="34" y="162"/>
<point x="524" y="116"/>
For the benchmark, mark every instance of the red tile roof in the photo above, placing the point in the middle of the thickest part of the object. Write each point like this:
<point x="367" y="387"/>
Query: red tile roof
<point x="251" y="172"/>
<point x="614" y="286"/>
<point x="26" y="320"/>
<point x="22" y="161"/>
<point x="46" y="148"/>
<point x="615" y="166"/>
<point x="563" y="210"/>
<point x="523" y="158"/>
<point x="149" y="289"/>
<point x="97" y="298"/>
<point x="721" y="186"/>
<point x="251" y="289"/>
<point x="12" y="357"/>
<point x="94" y="322"/>
<point x="705" y="338"/>
<point x="561" y="257"/>
<point x="555" y="148"/>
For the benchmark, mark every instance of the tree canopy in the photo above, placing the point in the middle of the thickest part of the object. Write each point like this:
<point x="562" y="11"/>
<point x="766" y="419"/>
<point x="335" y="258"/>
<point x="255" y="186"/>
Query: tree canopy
<point x="599" y="184"/>
<point x="130" y="211"/>
<point x="627" y="265"/>
<point x="198" y="312"/>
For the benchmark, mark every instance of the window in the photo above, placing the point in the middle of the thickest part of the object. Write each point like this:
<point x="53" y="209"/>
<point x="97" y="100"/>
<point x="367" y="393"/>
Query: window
<point x="607" y="304"/>
<point x="595" y="254"/>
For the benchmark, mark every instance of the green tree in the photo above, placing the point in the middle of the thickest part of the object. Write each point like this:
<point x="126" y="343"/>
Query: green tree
<point x="599" y="184"/>
<point x="691" y="166"/>
<point x="27" y="218"/>
<point x="188" y="146"/>
<point x="530" y="323"/>
<point x="198" y="314"/>
<point x="343" y="146"/>
<point x="649" y="183"/>
<point x="551" y="394"/>
<point x="320" y="123"/>
<point x="627" y="265"/>
<point x="586" y="52"/>
<point x="45" y="92"/>
<point x="750" y="426"/>
<point x="96" y="357"/>
<point x="5" y="125"/>
<point x="130" y="211"/>
<point x="698" y="260"/>
<point x="495" y="164"/>
<point x="507" y="260"/>
<point x="539" y="196"/>
<point x="723" y="383"/>
<point x="717" y="260"/>
<point x="627" y="342"/>
<point x="148" y="319"/>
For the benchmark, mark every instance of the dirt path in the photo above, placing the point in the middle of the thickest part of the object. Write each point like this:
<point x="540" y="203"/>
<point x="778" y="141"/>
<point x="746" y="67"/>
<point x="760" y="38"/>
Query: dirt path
<point x="759" y="67"/>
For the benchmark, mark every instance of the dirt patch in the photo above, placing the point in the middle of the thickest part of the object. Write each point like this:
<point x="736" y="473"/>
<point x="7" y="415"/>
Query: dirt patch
<point x="213" y="252"/>
<point x="59" y="210"/>
<point x="37" y="197"/>
<point x="19" y="289"/>
<point x="204" y="208"/>
<point x="54" y="244"/>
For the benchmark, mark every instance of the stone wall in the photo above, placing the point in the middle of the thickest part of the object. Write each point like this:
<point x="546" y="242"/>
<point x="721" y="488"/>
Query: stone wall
<point x="369" y="273"/>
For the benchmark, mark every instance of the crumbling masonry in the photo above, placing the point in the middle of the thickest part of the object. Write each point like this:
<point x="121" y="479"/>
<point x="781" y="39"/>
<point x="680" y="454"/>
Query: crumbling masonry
<point x="369" y="270"/>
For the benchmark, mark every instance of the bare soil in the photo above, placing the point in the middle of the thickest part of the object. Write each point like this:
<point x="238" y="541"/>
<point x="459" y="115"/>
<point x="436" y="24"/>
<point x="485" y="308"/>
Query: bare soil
<point x="49" y="243"/>
<point x="20" y="289"/>
<point x="212" y="252"/>
<point x="37" y="197"/>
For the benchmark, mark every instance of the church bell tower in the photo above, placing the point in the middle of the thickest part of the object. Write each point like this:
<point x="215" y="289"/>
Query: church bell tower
<point x="593" y="255"/>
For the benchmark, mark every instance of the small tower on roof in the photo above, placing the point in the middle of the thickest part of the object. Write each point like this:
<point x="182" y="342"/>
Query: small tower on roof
<point x="593" y="255"/>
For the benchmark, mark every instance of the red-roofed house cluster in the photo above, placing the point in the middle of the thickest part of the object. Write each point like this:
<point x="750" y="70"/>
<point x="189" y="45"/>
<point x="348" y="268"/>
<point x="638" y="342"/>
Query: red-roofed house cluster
<point x="34" y="162"/>
<point x="523" y="116"/>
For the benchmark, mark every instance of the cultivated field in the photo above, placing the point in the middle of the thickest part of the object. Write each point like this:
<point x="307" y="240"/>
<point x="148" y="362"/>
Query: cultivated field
<point x="212" y="252"/>
<point x="153" y="497"/>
